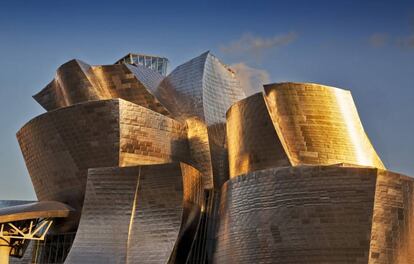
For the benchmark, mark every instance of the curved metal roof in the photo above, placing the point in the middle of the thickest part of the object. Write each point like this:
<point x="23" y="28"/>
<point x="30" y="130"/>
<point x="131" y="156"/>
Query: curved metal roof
<point x="44" y="209"/>
<point x="7" y="203"/>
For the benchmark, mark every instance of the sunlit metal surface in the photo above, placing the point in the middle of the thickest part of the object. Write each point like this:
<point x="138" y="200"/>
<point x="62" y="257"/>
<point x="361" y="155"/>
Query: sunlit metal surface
<point x="306" y="185"/>
<point x="144" y="213"/>
<point x="251" y="137"/>
<point x="295" y="124"/>
<point x="203" y="89"/>
<point x="319" y="125"/>
<point x="77" y="82"/>
<point x="60" y="146"/>
<point x="316" y="214"/>
<point x="392" y="232"/>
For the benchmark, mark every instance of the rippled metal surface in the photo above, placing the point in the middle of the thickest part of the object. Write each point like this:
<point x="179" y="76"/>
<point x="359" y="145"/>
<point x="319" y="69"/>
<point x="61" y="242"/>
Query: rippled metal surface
<point x="60" y="146"/>
<point x="316" y="214"/>
<point x="144" y="213"/>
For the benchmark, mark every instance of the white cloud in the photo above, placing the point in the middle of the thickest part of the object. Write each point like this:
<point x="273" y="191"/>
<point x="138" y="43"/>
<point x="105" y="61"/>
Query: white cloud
<point x="256" y="45"/>
<point x="251" y="79"/>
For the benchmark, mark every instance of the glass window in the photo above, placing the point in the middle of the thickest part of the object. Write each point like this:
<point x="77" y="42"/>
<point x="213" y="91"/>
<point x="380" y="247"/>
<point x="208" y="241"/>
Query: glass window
<point x="135" y="59"/>
<point x="147" y="62"/>
<point x="141" y="60"/>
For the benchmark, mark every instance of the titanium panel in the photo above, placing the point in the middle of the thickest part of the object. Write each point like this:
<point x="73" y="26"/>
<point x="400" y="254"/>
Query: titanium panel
<point x="35" y="210"/>
<point x="7" y="203"/>
<point x="197" y="136"/>
<point x="102" y="234"/>
<point x="77" y="82"/>
<point x="203" y="89"/>
<point x="60" y="146"/>
<point x="319" y="124"/>
<point x="317" y="214"/>
<point x="143" y="213"/>
<point x="392" y="238"/>
<point x="297" y="215"/>
<point x="253" y="143"/>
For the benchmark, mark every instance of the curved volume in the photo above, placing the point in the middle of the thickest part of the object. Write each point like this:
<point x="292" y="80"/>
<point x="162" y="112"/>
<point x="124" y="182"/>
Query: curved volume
<point x="251" y="138"/>
<point x="202" y="87"/>
<point x="142" y="214"/>
<point x="319" y="125"/>
<point x="77" y="82"/>
<point x="200" y="91"/>
<point x="60" y="146"/>
<point x="296" y="124"/>
<point x="297" y="215"/>
<point x="317" y="214"/>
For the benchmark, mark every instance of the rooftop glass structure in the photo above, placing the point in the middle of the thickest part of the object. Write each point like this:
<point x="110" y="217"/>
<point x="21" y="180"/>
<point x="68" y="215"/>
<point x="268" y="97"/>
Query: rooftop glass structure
<point x="155" y="63"/>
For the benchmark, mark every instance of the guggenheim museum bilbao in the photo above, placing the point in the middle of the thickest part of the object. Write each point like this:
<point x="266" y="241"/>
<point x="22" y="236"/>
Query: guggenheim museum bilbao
<point x="131" y="165"/>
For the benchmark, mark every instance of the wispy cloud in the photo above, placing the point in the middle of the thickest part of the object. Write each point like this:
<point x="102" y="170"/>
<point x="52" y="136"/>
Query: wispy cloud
<point x="378" y="40"/>
<point x="251" y="79"/>
<point x="406" y="42"/>
<point x="256" y="45"/>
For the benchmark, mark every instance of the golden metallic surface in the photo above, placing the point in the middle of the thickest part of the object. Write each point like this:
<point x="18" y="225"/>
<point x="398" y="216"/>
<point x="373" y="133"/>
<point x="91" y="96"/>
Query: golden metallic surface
<point x="251" y="137"/>
<point x="61" y="145"/>
<point x="197" y="135"/>
<point x="198" y="91"/>
<point x="317" y="214"/>
<point x="284" y="176"/>
<point x="77" y="82"/>
<point x="297" y="124"/>
<point x="319" y="124"/>
<point x="392" y="232"/>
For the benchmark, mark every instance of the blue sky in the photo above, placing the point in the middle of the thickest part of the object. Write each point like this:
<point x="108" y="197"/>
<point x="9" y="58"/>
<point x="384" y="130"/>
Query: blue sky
<point x="364" y="46"/>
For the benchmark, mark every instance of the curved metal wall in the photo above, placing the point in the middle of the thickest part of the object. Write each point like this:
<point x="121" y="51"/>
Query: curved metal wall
<point x="319" y="124"/>
<point x="60" y="146"/>
<point x="77" y="82"/>
<point x="203" y="89"/>
<point x="197" y="135"/>
<point x="317" y="214"/>
<point x="297" y="215"/>
<point x="296" y="124"/>
<point x="137" y="214"/>
<point x="392" y="235"/>
<point x="251" y="137"/>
